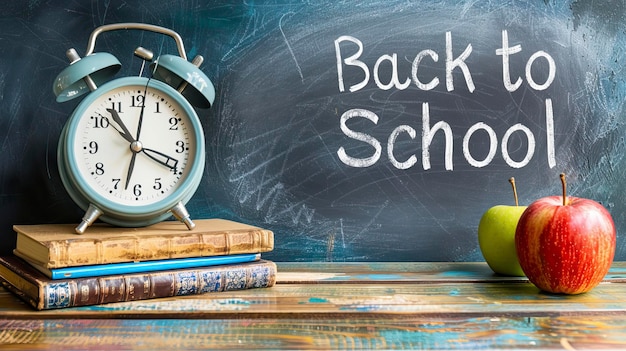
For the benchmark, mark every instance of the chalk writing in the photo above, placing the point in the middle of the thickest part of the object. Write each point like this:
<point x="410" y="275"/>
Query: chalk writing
<point x="451" y="63"/>
<point x="428" y="132"/>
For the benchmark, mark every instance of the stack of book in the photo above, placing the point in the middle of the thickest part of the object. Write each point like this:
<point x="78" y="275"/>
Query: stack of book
<point x="52" y="267"/>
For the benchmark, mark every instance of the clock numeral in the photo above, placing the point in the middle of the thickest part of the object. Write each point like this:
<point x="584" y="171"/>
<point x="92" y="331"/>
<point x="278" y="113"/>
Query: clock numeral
<point x="99" y="168"/>
<point x="100" y="122"/>
<point x="116" y="182"/>
<point x="157" y="184"/>
<point x="173" y="123"/>
<point x="157" y="108"/>
<point x="137" y="190"/>
<point x="136" y="100"/>
<point x="117" y="106"/>
<point x="93" y="147"/>
<point x="180" y="146"/>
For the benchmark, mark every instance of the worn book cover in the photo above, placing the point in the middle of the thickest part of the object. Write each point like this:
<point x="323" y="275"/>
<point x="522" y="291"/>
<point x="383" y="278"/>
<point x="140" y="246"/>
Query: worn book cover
<point x="44" y="293"/>
<point x="57" y="245"/>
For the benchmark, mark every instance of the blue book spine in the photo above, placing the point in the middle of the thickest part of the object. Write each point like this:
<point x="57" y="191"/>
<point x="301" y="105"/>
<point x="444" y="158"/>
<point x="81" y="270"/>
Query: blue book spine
<point x="149" y="266"/>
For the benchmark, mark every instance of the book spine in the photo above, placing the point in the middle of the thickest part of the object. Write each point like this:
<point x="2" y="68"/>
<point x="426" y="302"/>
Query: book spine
<point x="21" y="294"/>
<point x="91" y="252"/>
<point x="108" y="289"/>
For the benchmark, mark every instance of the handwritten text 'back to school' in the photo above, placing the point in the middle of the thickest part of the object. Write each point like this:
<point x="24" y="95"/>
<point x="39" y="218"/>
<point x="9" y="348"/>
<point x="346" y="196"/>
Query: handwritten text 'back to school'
<point x="452" y="63"/>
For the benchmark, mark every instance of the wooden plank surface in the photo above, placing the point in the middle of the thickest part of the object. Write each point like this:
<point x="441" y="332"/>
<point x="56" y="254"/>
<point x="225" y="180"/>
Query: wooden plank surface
<point x="341" y="306"/>
<point x="482" y="333"/>
<point x="389" y="272"/>
<point x="348" y="300"/>
<point x="469" y="289"/>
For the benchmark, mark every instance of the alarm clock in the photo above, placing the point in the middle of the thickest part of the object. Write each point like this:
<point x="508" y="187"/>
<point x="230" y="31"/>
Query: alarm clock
<point x="132" y="152"/>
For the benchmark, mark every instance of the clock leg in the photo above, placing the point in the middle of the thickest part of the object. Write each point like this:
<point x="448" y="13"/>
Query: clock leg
<point x="180" y="213"/>
<point x="90" y="216"/>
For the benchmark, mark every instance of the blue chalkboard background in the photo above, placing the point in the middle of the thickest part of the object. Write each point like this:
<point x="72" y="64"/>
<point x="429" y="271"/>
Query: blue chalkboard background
<point x="288" y="75"/>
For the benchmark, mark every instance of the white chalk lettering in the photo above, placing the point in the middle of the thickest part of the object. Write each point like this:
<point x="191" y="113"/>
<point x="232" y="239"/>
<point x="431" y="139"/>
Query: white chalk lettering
<point x="550" y="133"/>
<point x="457" y="62"/>
<point x="428" y="134"/>
<point x="551" y="71"/>
<point x="506" y="51"/>
<point x="493" y="145"/>
<point x="394" y="82"/>
<point x="427" y="138"/>
<point x="387" y="74"/>
<point x="351" y="61"/>
<point x="531" y="146"/>
<point x="433" y="82"/>
<point x="366" y="138"/>
<point x="392" y="141"/>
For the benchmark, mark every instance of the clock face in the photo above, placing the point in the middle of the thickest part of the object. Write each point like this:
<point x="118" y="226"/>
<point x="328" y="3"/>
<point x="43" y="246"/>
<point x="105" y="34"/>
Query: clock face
<point x="134" y="144"/>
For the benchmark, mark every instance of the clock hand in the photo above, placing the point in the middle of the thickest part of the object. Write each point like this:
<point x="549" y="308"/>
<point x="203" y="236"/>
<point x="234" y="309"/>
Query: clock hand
<point x="161" y="158"/>
<point x="130" y="169"/>
<point x="125" y="132"/>
<point x="143" y="107"/>
<point x="135" y="146"/>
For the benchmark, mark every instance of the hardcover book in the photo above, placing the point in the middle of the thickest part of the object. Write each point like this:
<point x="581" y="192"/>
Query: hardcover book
<point x="44" y="293"/>
<point x="57" y="245"/>
<point x="98" y="270"/>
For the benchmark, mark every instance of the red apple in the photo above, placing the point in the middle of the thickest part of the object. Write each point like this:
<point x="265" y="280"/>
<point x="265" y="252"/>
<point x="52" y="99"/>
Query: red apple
<point x="565" y="244"/>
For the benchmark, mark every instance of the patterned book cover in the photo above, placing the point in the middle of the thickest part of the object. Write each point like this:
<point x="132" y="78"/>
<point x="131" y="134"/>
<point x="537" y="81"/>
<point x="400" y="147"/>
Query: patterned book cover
<point x="57" y="245"/>
<point x="44" y="293"/>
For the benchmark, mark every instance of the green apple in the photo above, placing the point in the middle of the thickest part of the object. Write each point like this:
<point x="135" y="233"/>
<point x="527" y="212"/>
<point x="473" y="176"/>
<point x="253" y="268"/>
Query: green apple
<point x="496" y="238"/>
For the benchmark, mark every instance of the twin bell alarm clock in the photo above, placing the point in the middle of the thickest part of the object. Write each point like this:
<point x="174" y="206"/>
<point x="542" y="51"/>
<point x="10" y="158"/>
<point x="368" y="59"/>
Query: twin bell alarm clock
<point x="132" y="153"/>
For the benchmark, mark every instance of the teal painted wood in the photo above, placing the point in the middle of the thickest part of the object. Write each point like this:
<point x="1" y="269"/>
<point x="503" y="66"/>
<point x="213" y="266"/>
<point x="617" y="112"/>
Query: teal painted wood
<point x="482" y="333"/>
<point x="337" y="272"/>
<point x="354" y="307"/>
<point x="425" y="292"/>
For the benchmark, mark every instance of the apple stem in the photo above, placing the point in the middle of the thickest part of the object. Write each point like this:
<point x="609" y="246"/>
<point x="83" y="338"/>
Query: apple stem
<point x="564" y="184"/>
<point x="512" y="181"/>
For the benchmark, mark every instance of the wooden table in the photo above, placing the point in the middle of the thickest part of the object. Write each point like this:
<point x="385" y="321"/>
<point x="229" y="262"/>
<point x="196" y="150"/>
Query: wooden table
<point x="341" y="306"/>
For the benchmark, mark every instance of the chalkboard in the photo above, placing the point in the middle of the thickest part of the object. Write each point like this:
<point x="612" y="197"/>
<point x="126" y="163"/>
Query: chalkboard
<point x="376" y="130"/>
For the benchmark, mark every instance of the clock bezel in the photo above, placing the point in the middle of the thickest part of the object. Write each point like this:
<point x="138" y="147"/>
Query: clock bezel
<point x="117" y="213"/>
